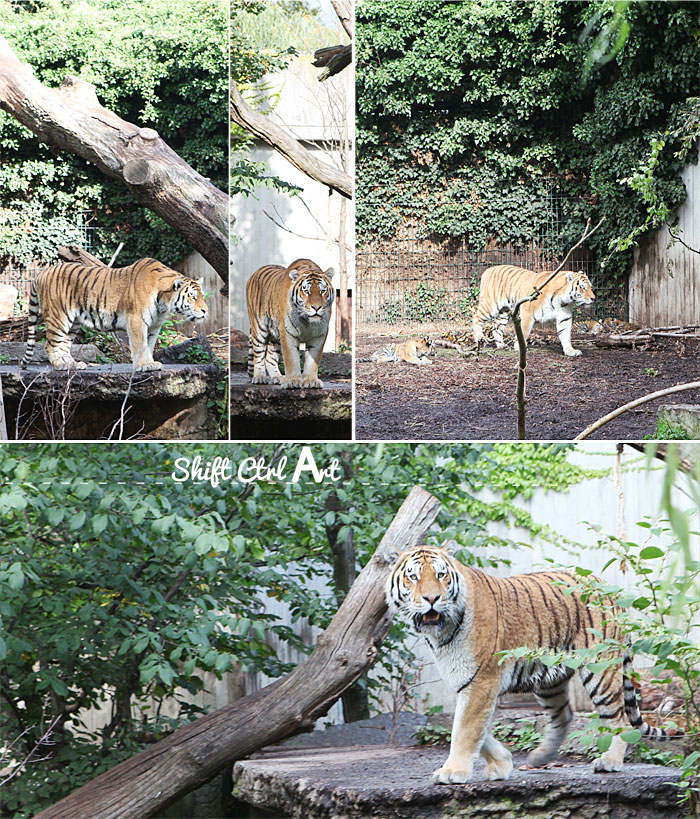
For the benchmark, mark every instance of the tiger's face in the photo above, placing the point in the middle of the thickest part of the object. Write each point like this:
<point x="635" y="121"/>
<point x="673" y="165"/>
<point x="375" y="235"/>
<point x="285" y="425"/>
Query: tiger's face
<point x="424" y="346"/>
<point x="425" y="588"/>
<point x="188" y="299"/>
<point x="312" y="293"/>
<point x="580" y="287"/>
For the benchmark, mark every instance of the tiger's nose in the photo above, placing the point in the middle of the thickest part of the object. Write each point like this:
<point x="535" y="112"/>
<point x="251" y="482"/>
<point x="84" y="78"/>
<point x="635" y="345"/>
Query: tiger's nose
<point x="431" y="598"/>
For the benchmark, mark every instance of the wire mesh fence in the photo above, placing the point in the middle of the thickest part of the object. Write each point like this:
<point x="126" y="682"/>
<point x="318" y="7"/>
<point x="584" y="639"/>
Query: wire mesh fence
<point x="412" y="279"/>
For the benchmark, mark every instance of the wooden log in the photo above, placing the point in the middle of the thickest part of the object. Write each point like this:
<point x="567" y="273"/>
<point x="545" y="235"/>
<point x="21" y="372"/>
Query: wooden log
<point x="73" y="253"/>
<point x="71" y="118"/>
<point x="285" y="144"/>
<point x="622" y="341"/>
<point x="156" y="777"/>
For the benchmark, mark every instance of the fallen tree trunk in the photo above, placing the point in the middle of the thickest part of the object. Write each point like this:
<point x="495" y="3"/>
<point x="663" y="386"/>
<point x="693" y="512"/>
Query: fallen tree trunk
<point x="290" y="148"/>
<point x="612" y="341"/>
<point x="156" y="777"/>
<point x="71" y="118"/>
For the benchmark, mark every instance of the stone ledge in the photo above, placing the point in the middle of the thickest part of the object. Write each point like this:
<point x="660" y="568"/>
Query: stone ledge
<point x="267" y="412"/>
<point x="393" y="782"/>
<point x="684" y="415"/>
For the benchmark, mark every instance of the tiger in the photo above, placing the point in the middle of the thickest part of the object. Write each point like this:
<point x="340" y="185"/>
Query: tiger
<point x="502" y="286"/>
<point x="467" y="617"/>
<point x="591" y="327"/>
<point x="137" y="298"/>
<point x="288" y="306"/>
<point x="412" y="352"/>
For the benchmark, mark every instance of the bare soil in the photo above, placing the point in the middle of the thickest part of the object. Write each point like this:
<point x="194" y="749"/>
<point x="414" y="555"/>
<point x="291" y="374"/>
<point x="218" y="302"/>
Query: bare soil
<point x="473" y="398"/>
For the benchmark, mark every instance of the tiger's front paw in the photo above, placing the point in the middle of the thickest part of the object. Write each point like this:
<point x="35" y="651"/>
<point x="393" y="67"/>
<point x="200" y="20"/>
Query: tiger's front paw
<point x="149" y="366"/>
<point x="572" y="353"/>
<point x="312" y="382"/>
<point x="450" y="775"/>
<point x="266" y="379"/>
<point x="68" y="364"/>
<point x="607" y="764"/>
<point x="292" y="382"/>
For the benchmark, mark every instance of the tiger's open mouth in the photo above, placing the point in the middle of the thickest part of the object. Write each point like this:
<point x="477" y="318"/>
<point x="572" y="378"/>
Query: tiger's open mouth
<point x="429" y="618"/>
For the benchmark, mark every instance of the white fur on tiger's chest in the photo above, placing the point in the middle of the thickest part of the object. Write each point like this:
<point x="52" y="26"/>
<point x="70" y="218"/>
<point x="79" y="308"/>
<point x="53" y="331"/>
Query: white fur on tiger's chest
<point x="553" y="309"/>
<point x="456" y="661"/>
<point x="307" y="329"/>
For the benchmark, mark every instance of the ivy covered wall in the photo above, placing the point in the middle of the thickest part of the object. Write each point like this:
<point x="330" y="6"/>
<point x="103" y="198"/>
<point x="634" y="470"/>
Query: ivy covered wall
<point x="470" y="113"/>
<point x="161" y="64"/>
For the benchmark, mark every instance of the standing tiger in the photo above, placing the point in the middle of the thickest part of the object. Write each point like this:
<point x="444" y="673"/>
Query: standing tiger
<point x="288" y="306"/>
<point x="137" y="298"/>
<point x="502" y="286"/>
<point x="467" y="617"/>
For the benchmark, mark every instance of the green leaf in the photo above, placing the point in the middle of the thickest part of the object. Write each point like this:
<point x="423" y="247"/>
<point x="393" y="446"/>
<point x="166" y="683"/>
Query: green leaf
<point x="77" y="521"/>
<point x="632" y="736"/>
<point x="54" y="515"/>
<point x="651" y="552"/>
<point x="603" y="742"/>
<point x="223" y="662"/>
<point x="99" y="524"/>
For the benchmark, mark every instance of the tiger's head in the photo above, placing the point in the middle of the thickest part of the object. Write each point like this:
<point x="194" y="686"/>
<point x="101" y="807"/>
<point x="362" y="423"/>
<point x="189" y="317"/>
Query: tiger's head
<point x="311" y="293"/>
<point x="579" y="288"/>
<point x="424" y="346"/>
<point x="425" y="587"/>
<point x="182" y="295"/>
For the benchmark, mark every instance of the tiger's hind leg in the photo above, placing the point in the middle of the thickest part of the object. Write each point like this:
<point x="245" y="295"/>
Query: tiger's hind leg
<point x="607" y="692"/>
<point x="263" y="356"/>
<point x="499" y="326"/>
<point x="555" y="702"/>
<point x="141" y="355"/>
<point x="59" y="335"/>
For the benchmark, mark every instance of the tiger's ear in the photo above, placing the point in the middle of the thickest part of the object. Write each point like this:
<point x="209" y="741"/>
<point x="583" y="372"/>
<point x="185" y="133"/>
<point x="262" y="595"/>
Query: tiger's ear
<point x="200" y="280"/>
<point x="570" y="275"/>
<point x="451" y="547"/>
<point x="178" y="283"/>
<point x="294" y="274"/>
<point x="330" y="272"/>
<point x="390" y="554"/>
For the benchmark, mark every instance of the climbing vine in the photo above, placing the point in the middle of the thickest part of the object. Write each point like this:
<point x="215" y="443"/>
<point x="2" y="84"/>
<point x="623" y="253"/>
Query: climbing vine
<point x="471" y="115"/>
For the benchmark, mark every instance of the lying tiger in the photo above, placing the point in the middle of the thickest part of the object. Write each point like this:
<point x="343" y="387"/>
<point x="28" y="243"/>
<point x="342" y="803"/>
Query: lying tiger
<point x="504" y="285"/>
<point x="607" y="325"/>
<point x="137" y="298"/>
<point x="412" y="352"/>
<point x="467" y="618"/>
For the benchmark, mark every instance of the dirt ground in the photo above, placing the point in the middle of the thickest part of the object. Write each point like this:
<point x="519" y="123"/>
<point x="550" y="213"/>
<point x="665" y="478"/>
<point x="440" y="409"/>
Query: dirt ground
<point x="472" y="398"/>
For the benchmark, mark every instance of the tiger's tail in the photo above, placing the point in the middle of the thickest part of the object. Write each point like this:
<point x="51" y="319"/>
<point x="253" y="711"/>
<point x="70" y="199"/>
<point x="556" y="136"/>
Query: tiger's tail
<point x="32" y="326"/>
<point x="632" y="709"/>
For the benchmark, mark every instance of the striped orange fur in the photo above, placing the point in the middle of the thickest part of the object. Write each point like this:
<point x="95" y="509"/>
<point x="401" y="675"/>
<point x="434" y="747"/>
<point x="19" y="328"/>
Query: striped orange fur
<point x="504" y="285"/>
<point x="137" y="298"/>
<point x="288" y="306"/>
<point x="467" y="617"/>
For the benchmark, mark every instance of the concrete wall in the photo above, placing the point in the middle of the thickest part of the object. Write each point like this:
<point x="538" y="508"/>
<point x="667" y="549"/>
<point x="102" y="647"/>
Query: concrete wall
<point x="664" y="285"/>
<point x="272" y="227"/>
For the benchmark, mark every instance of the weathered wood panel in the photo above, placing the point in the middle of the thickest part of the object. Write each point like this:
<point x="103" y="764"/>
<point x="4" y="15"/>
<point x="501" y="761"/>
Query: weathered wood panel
<point x="664" y="285"/>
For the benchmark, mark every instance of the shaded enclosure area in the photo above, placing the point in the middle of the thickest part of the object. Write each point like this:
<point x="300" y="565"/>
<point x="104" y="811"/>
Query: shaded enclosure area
<point x="474" y="398"/>
<point x="110" y="401"/>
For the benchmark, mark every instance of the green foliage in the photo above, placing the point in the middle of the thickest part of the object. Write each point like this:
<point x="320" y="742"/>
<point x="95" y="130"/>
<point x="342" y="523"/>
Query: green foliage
<point x="519" y="734"/>
<point x="430" y="734"/>
<point x="159" y="64"/>
<point x="470" y="114"/>
<point x="666" y="431"/>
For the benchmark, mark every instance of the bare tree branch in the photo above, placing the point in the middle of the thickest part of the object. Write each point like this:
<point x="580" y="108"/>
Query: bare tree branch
<point x="71" y="118"/>
<point x="693" y="385"/>
<point x="290" y="148"/>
